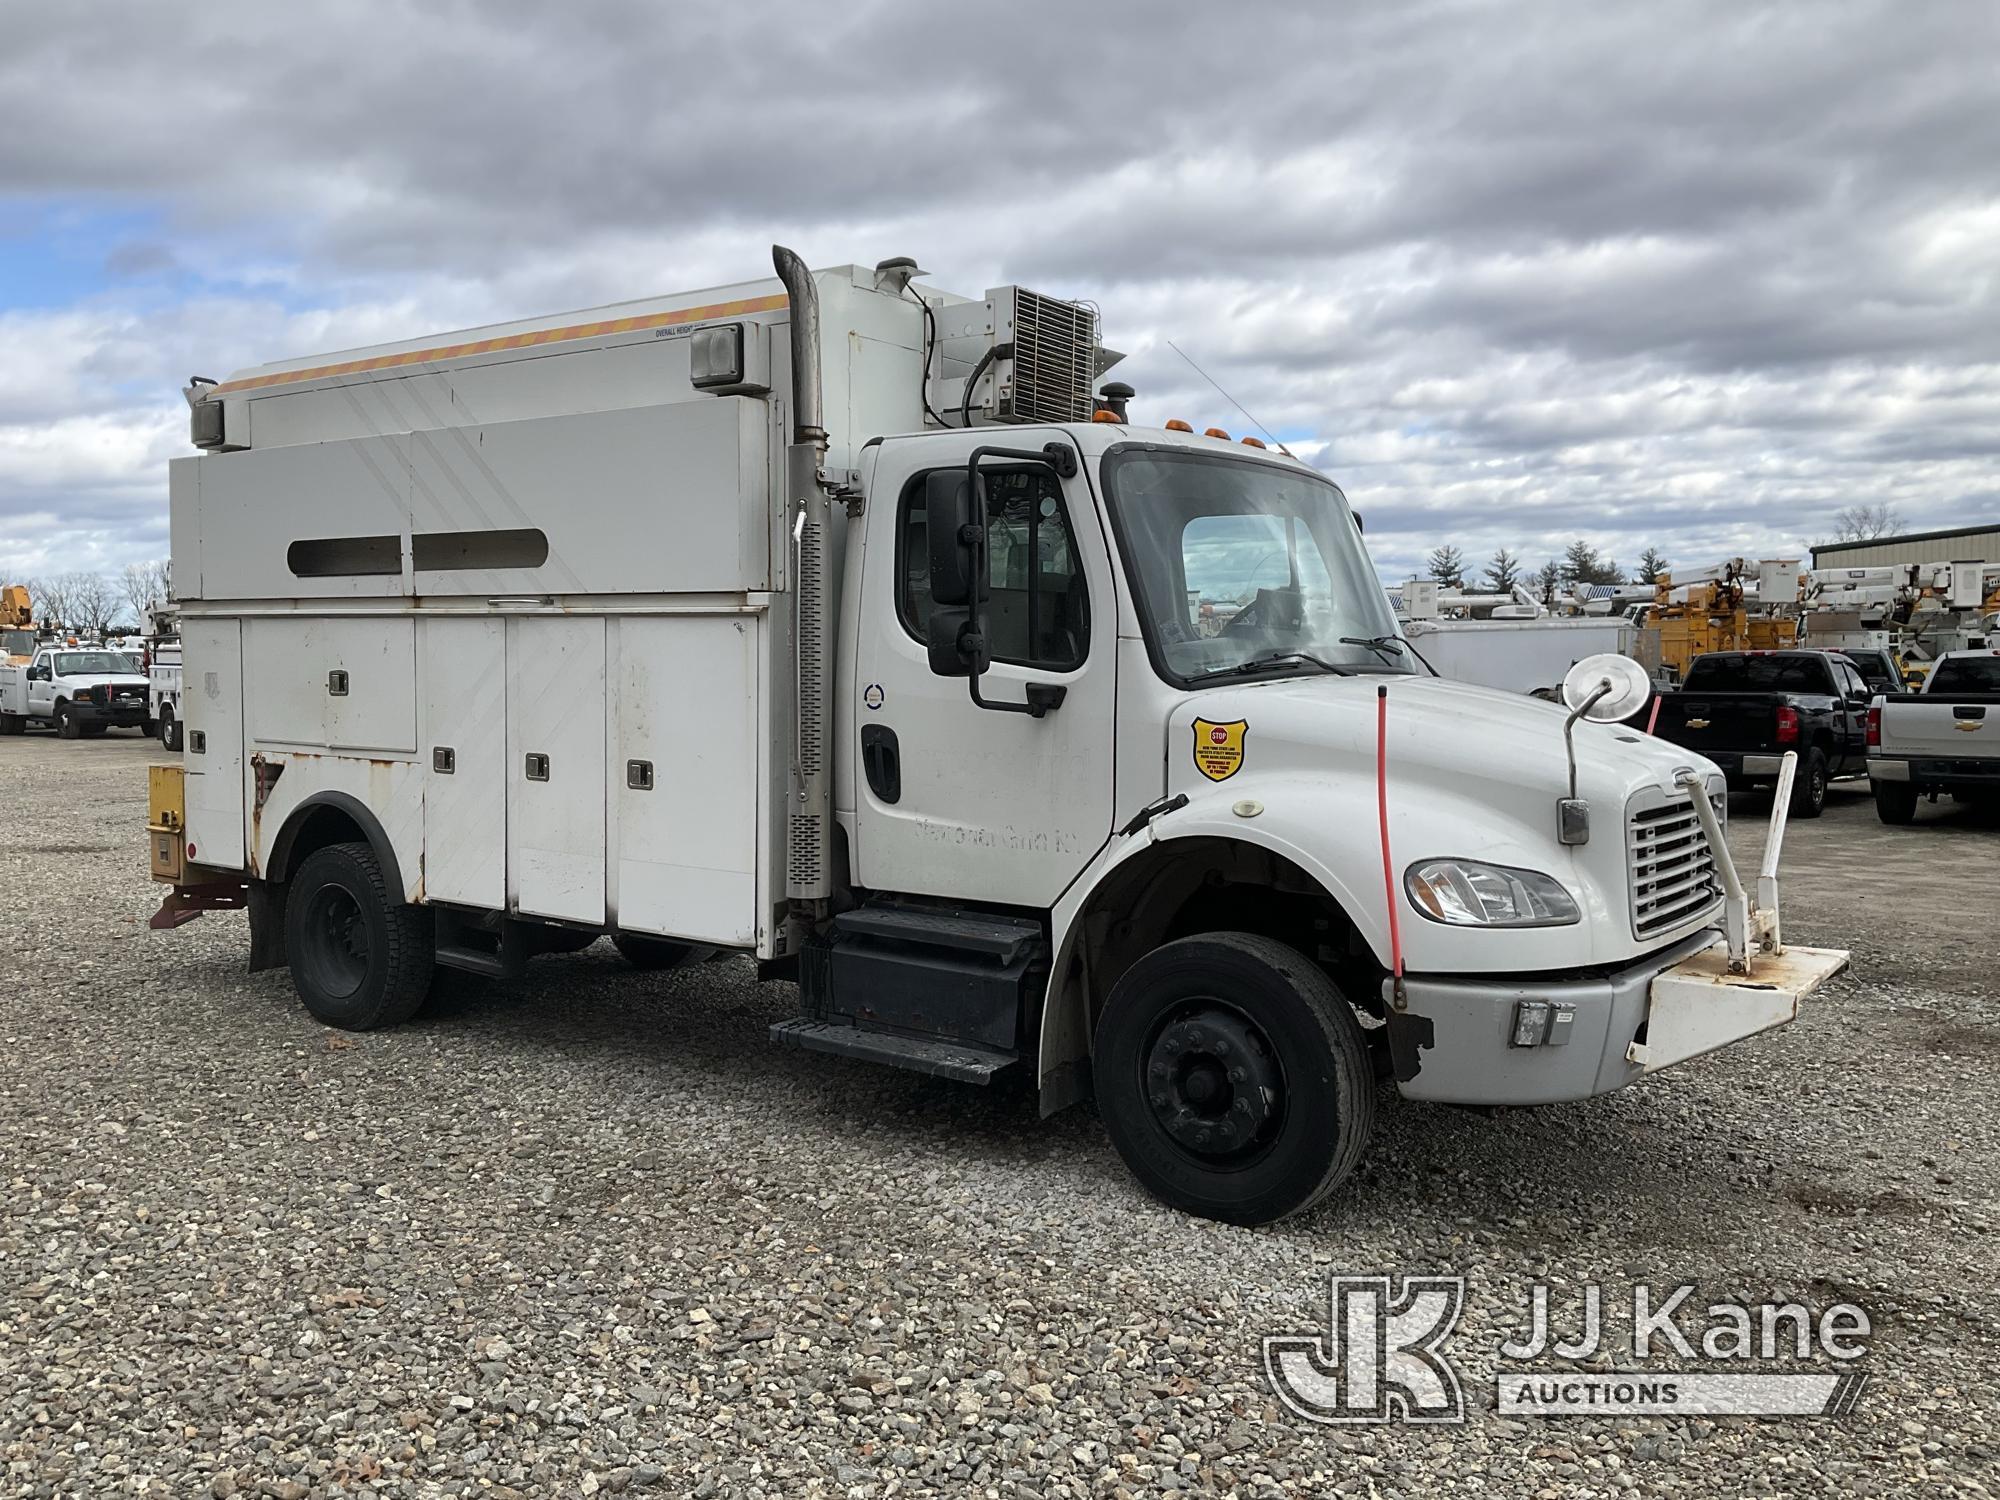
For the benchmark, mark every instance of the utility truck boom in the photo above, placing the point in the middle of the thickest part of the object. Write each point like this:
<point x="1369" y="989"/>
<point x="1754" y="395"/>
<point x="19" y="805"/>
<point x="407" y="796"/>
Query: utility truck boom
<point x="852" y="626"/>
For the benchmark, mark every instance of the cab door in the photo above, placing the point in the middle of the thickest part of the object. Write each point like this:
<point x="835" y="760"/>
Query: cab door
<point x="952" y="799"/>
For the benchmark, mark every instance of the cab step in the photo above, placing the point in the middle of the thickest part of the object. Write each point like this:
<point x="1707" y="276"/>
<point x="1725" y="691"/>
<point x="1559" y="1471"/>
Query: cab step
<point x="937" y="1056"/>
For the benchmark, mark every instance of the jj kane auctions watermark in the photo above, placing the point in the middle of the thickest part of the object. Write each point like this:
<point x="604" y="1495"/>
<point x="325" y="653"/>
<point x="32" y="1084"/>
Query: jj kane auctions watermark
<point x="1385" y="1356"/>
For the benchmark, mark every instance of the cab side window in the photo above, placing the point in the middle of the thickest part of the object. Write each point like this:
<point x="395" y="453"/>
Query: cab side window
<point x="1038" y="608"/>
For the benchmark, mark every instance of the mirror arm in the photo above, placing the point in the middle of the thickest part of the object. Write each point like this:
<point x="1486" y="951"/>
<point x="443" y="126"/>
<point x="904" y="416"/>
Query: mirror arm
<point x="1042" y="698"/>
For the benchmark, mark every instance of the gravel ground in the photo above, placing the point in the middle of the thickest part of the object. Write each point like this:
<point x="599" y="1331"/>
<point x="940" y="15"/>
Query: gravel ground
<point x="590" y="1233"/>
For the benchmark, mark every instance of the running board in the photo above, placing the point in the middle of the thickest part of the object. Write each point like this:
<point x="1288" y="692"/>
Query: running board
<point x="461" y="944"/>
<point x="932" y="1055"/>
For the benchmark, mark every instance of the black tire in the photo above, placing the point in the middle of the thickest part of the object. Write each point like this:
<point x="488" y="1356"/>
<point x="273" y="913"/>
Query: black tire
<point x="1809" y="785"/>
<point x="360" y="958"/>
<point x="1895" y="802"/>
<point x="651" y="953"/>
<point x="170" y="729"/>
<point x="96" y="731"/>
<point x="1180" y="1032"/>
<point x="68" y="726"/>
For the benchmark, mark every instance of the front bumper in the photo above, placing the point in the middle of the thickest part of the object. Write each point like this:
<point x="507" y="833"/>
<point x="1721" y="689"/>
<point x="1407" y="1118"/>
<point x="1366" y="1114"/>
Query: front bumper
<point x="118" y="715"/>
<point x="1670" y="1006"/>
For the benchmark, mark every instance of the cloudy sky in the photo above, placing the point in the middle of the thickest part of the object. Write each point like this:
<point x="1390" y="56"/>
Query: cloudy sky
<point x="1688" y="275"/>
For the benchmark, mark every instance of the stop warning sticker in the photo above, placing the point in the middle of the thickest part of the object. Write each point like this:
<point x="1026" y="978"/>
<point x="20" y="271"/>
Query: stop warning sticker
<point x="1218" y="748"/>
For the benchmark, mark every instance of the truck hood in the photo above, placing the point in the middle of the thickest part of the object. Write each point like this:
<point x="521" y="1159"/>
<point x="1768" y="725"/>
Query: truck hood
<point x="92" y="679"/>
<point x="1478" y="736"/>
<point x="1472" y="774"/>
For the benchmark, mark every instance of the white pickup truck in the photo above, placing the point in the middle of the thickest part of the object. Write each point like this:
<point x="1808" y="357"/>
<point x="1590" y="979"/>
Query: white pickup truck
<point x="1943" y="738"/>
<point x="80" y="690"/>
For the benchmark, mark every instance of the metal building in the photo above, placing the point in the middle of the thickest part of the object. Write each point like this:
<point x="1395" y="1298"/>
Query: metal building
<point x="1962" y="544"/>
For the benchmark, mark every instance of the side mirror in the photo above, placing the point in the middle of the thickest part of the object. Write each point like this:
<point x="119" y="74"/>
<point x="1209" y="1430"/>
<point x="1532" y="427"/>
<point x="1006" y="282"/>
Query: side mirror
<point x="957" y="645"/>
<point x="1358" y="526"/>
<point x="953" y="518"/>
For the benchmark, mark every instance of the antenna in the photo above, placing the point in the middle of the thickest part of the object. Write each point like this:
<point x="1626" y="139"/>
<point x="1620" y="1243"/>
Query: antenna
<point x="1231" y="399"/>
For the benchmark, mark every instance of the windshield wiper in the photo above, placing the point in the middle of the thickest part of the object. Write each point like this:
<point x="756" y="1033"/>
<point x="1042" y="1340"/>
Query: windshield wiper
<point x="1272" y="658"/>
<point x="1386" y="643"/>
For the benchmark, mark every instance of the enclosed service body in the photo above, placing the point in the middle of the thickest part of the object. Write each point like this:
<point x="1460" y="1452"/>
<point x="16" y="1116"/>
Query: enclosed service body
<point x="841" y="623"/>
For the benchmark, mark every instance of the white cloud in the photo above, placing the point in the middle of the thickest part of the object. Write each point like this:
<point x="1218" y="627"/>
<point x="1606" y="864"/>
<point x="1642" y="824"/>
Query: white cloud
<point x="1694" y="275"/>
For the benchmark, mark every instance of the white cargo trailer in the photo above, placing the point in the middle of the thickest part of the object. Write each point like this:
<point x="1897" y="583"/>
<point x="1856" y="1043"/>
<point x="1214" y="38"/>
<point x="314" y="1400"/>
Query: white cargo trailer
<point x="844" y="624"/>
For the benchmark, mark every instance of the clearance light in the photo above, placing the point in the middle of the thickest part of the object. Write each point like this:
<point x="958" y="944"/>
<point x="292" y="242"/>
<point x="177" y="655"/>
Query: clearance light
<point x="1177" y="425"/>
<point x="1253" y="442"/>
<point x="1104" y="416"/>
<point x="1216" y="432"/>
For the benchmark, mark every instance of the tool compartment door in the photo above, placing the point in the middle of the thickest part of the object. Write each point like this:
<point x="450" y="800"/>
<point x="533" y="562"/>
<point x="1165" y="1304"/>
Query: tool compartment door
<point x="213" y="717"/>
<point x="464" y="757"/>
<point x="686" y="778"/>
<point x="555" y="767"/>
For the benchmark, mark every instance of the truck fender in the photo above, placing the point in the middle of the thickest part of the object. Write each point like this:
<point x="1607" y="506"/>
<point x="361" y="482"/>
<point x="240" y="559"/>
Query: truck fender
<point x="355" y="810"/>
<point x="1065" y="1033"/>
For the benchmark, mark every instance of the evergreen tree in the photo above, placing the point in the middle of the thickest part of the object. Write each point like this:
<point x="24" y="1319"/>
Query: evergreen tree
<point x="1503" y="573"/>
<point x="1447" y="566"/>
<point x="1651" y="566"/>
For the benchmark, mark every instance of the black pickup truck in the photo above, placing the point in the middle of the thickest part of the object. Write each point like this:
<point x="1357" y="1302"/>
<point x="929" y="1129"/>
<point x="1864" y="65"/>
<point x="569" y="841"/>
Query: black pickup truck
<point x="1745" y="709"/>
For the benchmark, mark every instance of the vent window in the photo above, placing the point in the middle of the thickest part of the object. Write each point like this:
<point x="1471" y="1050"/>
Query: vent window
<point x="346" y="557"/>
<point x="449" y="551"/>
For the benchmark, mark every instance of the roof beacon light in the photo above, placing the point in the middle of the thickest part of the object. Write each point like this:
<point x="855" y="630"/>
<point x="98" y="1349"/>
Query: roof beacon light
<point x="1251" y="442"/>
<point x="1216" y="432"/>
<point x="1177" y="425"/>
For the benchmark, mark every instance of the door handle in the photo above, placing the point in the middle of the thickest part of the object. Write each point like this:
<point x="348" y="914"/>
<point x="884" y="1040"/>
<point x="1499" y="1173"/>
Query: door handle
<point x="882" y="761"/>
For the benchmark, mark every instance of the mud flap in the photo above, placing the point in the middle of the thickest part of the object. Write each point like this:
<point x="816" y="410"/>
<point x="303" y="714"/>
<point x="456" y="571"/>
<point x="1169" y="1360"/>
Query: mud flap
<point x="267" y="925"/>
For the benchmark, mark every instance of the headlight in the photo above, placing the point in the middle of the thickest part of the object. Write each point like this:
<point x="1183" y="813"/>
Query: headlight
<point x="1464" y="893"/>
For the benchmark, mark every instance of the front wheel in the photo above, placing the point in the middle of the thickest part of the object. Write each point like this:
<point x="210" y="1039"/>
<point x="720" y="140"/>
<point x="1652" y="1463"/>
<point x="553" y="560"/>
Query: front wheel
<point x="361" y="959"/>
<point x="1895" y="802"/>
<point x="1233" y="1078"/>
<point x="68" y="725"/>
<point x="1809" y="788"/>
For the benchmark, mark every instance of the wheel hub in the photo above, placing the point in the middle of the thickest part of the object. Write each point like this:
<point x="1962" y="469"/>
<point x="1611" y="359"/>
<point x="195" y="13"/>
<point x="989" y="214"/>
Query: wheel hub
<point x="1213" y="1082"/>
<point x="343" y="942"/>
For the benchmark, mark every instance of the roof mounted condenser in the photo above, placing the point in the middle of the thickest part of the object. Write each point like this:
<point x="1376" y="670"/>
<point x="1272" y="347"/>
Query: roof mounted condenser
<point x="1018" y="356"/>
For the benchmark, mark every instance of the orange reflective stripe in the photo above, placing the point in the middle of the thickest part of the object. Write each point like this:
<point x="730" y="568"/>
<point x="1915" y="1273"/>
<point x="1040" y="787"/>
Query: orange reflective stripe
<point x="511" y="341"/>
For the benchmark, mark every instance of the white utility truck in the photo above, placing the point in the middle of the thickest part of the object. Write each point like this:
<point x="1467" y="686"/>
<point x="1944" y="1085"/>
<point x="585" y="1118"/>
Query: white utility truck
<point x="163" y="672"/>
<point x="78" y="690"/>
<point x="838" y="622"/>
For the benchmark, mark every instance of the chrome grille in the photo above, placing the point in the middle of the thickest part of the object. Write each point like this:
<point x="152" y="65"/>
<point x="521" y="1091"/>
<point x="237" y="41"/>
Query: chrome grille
<point x="1672" y="870"/>
<point x="1055" y="359"/>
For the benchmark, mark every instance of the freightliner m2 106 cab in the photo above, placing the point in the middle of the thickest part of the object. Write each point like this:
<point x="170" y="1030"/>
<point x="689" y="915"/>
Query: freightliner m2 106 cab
<point x="842" y="623"/>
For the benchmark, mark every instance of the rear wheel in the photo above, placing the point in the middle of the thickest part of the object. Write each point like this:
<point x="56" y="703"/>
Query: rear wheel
<point x="170" y="728"/>
<point x="1895" y="802"/>
<point x="1809" y="787"/>
<point x="1233" y="1078"/>
<point x="67" y="723"/>
<point x="361" y="959"/>
<point x="656" y="953"/>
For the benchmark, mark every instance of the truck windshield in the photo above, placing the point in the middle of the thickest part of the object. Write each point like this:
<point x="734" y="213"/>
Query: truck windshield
<point x="1758" y="674"/>
<point x="1245" y="568"/>
<point x="83" y="663"/>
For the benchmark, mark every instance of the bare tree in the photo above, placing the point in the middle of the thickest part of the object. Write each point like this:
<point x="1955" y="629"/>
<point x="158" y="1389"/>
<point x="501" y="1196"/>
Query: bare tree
<point x="91" y="600"/>
<point x="144" y="585"/>
<point x="1863" y="523"/>
<point x="49" y="600"/>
